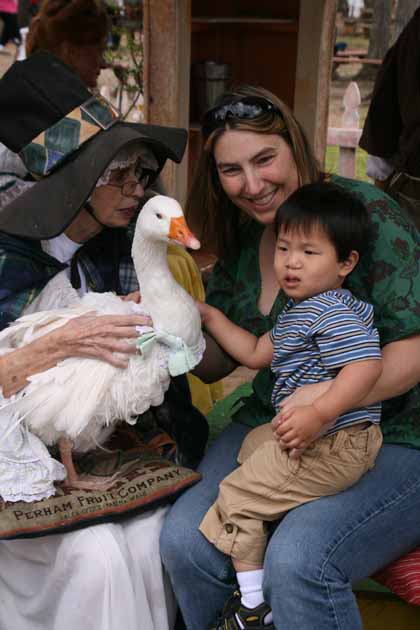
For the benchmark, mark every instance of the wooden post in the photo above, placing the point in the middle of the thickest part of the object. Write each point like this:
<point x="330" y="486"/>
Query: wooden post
<point x="167" y="28"/>
<point x="347" y="137"/>
<point x="313" y="69"/>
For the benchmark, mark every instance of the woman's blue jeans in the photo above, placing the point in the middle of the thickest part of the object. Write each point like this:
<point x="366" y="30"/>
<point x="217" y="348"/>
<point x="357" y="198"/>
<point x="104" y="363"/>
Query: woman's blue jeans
<point x="313" y="556"/>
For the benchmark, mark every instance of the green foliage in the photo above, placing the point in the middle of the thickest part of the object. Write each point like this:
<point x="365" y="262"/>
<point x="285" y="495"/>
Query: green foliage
<point x="354" y="41"/>
<point x="126" y="59"/>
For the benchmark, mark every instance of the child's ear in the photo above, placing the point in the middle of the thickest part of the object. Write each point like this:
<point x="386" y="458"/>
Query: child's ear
<point x="349" y="264"/>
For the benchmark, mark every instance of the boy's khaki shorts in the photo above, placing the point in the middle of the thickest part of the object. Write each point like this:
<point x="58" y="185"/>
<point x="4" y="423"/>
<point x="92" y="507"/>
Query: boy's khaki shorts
<point x="269" y="483"/>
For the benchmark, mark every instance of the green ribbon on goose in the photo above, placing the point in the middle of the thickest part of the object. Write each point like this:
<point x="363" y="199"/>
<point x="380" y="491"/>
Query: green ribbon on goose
<point x="181" y="358"/>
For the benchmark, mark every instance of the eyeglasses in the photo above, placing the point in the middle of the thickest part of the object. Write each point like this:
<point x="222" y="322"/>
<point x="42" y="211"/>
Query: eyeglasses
<point x="242" y="108"/>
<point x="144" y="177"/>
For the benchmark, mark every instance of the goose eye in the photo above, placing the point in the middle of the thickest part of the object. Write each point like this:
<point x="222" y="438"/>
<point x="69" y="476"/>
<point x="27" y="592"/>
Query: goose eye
<point x="159" y="216"/>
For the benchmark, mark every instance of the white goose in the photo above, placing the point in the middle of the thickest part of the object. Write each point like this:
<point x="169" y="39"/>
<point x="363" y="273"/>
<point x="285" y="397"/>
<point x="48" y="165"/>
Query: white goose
<point x="80" y="399"/>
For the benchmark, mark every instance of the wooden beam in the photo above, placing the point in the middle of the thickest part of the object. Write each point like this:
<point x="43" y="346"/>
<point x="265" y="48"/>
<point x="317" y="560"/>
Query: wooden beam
<point x="167" y="42"/>
<point x="313" y="70"/>
<point x="361" y="60"/>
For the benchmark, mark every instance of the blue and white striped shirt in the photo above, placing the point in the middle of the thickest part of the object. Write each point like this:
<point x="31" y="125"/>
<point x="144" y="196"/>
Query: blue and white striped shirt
<point x="315" y="338"/>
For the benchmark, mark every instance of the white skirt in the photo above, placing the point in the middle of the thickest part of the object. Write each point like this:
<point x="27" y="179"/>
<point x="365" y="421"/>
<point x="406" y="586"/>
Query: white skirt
<point x="103" y="577"/>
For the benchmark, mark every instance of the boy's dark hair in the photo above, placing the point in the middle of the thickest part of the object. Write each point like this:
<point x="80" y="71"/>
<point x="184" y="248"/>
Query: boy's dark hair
<point x="341" y="214"/>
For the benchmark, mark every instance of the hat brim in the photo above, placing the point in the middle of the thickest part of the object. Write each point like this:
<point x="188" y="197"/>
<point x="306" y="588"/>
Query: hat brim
<point x="47" y="208"/>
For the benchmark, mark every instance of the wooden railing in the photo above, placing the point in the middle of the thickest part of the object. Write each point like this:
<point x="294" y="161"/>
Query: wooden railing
<point x="348" y="135"/>
<point x="354" y="55"/>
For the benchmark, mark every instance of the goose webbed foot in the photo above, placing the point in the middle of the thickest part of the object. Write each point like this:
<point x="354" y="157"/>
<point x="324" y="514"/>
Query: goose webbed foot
<point x="73" y="479"/>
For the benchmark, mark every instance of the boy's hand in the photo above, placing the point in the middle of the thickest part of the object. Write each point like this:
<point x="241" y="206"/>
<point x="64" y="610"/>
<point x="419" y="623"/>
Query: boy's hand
<point x="298" y="427"/>
<point x="206" y="311"/>
<point x="294" y="453"/>
<point x="203" y="309"/>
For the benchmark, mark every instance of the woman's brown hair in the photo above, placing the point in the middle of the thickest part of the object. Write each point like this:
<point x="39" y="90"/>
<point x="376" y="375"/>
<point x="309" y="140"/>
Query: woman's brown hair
<point x="79" y="22"/>
<point x="211" y="214"/>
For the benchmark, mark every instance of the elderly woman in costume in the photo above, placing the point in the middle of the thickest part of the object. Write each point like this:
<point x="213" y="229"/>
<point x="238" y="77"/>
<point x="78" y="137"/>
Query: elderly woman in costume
<point x="91" y="171"/>
<point x="76" y="31"/>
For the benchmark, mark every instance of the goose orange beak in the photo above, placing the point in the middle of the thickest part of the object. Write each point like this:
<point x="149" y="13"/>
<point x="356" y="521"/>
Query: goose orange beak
<point x="180" y="232"/>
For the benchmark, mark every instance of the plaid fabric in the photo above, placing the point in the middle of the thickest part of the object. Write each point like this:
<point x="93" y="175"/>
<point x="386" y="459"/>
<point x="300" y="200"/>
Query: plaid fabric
<point x="107" y="264"/>
<point x="25" y="269"/>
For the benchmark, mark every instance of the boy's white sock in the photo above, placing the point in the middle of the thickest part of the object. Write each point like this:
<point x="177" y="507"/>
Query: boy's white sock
<point x="250" y="585"/>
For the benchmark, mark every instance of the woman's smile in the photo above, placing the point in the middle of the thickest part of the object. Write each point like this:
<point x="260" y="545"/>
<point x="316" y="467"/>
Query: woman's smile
<point x="263" y="200"/>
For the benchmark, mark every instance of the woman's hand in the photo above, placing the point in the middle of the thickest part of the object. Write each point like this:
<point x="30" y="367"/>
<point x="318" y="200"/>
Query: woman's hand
<point x="305" y="395"/>
<point x="100" y="337"/>
<point x="302" y="396"/>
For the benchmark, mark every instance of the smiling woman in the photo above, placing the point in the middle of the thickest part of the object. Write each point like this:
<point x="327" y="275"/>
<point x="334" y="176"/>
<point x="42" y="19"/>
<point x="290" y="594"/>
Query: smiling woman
<point x="256" y="172"/>
<point x="253" y="158"/>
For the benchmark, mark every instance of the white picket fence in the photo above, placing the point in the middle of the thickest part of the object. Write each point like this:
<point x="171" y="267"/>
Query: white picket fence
<point x="348" y="135"/>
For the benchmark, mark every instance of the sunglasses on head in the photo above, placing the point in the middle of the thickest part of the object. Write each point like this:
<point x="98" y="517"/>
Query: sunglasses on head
<point x="241" y="108"/>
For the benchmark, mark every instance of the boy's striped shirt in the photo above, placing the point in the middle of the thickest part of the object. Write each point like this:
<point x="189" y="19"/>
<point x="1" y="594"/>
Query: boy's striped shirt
<point x="314" y="338"/>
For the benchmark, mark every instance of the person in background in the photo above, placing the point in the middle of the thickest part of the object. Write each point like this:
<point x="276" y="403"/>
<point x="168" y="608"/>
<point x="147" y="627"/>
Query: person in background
<point x="322" y="231"/>
<point x="10" y="32"/>
<point x="76" y="31"/>
<point x="391" y="132"/>
<point x="255" y="155"/>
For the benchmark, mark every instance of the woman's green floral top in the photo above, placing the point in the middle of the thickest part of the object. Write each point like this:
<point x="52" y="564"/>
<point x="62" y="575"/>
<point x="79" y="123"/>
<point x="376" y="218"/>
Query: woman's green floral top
<point x="388" y="277"/>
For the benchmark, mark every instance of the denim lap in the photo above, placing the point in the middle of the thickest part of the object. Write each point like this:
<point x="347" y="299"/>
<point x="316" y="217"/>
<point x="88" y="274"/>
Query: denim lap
<point x="323" y="547"/>
<point x="314" y="555"/>
<point x="202" y="577"/>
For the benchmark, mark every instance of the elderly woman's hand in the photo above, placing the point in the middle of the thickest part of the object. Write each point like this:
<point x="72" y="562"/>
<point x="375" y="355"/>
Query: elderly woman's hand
<point x="104" y="337"/>
<point x="100" y="337"/>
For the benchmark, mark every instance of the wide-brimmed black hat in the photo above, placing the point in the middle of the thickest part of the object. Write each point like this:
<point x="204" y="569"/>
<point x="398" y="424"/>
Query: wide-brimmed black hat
<point x="66" y="138"/>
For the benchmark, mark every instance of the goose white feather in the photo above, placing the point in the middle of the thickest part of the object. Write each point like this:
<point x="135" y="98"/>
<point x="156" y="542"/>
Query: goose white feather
<point x="82" y="398"/>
